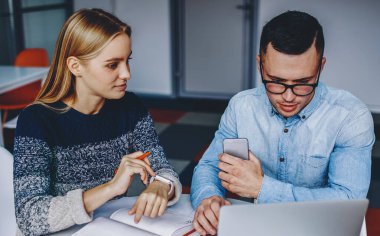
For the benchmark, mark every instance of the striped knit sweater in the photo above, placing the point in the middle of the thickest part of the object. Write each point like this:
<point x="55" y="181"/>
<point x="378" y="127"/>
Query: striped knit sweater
<point x="57" y="156"/>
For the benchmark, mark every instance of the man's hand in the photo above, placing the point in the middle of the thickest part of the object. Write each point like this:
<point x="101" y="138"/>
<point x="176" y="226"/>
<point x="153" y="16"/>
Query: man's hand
<point x="152" y="201"/>
<point x="243" y="177"/>
<point x="206" y="216"/>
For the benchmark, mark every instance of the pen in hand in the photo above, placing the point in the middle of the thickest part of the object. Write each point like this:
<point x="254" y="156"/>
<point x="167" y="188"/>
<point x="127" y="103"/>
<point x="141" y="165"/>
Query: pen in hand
<point x="142" y="157"/>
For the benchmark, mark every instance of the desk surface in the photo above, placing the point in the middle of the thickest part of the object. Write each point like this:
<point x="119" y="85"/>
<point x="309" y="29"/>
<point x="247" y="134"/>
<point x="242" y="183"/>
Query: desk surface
<point x="12" y="77"/>
<point x="107" y="209"/>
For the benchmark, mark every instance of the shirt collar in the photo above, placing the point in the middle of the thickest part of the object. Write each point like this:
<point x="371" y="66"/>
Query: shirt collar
<point x="319" y="94"/>
<point x="271" y="110"/>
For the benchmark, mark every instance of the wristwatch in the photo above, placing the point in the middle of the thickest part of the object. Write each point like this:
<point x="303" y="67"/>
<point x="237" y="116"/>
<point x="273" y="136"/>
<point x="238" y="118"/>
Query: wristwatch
<point x="166" y="181"/>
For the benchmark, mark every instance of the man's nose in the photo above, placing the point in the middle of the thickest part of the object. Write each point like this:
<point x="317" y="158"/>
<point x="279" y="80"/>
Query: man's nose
<point x="288" y="95"/>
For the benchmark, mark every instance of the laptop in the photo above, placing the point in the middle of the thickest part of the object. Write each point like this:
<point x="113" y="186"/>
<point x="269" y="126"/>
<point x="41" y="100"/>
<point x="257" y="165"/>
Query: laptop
<point x="318" y="218"/>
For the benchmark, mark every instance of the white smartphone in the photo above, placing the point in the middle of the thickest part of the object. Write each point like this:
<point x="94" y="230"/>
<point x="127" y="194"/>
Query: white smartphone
<point x="237" y="147"/>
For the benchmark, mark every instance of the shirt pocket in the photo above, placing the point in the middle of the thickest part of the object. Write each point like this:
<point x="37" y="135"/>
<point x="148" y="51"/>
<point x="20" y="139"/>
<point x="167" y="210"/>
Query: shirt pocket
<point x="312" y="171"/>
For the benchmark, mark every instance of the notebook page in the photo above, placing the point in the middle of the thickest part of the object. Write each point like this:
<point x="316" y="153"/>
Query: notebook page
<point x="166" y="224"/>
<point x="103" y="226"/>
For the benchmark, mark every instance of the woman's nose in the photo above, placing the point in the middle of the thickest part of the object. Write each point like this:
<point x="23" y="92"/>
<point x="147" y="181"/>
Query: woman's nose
<point x="125" y="72"/>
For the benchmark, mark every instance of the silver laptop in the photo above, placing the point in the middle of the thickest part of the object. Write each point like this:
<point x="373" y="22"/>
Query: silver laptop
<point x="318" y="218"/>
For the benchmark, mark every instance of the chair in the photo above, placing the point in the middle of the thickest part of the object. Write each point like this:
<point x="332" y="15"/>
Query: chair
<point x="32" y="57"/>
<point x="11" y="124"/>
<point x="21" y="97"/>
<point x="363" y="231"/>
<point x="8" y="220"/>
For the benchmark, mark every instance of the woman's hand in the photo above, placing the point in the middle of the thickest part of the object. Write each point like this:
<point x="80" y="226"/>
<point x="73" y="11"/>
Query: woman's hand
<point x="152" y="201"/>
<point x="128" y="167"/>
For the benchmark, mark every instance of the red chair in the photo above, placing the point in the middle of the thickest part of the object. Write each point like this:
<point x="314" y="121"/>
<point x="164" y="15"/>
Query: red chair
<point x="21" y="97"/>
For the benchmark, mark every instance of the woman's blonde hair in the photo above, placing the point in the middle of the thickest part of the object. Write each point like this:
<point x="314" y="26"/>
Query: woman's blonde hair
<point x="83" y="35"/>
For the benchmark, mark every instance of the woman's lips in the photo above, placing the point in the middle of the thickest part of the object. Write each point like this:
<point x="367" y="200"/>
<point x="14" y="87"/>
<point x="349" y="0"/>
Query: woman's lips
<point x="121" y="87"/>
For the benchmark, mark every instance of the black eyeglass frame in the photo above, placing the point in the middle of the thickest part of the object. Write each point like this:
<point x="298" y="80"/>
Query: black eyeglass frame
<point x="287" y="86"/>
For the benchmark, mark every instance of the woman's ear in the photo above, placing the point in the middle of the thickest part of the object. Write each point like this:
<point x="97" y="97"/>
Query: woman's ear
<point x="74" y="66"/>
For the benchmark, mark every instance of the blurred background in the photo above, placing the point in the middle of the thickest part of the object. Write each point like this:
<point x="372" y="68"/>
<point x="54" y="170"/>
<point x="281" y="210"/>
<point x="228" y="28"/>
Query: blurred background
<point x="206" y="48"/>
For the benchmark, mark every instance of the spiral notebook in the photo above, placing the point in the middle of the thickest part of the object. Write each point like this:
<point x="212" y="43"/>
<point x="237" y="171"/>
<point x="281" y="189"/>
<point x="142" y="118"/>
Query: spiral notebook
<point x="177" y="220"/>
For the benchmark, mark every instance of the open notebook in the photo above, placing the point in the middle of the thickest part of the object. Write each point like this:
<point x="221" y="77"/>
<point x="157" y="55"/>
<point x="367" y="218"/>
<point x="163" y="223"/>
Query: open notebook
<point x="177" y="220"/>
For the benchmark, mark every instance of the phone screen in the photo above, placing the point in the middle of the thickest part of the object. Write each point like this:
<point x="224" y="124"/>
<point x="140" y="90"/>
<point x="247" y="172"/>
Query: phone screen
<point x="237" y="147"/>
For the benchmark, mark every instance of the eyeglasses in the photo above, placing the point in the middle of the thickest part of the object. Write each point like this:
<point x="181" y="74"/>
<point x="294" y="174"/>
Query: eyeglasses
<point x="280" y="88"/>
<point x="297" y="89"/>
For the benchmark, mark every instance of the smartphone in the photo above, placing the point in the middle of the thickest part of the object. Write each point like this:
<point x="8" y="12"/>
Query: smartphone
<point x="237" y="147"/>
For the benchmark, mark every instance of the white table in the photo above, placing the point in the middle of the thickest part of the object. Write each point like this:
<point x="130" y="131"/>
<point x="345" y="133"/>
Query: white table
<point x="12" y="77"/>
<point x="107" y="209"/>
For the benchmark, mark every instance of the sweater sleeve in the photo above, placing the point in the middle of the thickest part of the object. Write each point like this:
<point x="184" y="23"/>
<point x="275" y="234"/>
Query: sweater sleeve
<point x="145" y="139"/>
<point x="37" y="210"/>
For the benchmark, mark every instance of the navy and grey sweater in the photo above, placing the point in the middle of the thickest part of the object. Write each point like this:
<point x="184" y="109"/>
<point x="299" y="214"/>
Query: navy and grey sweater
<point x="57" y="156"/>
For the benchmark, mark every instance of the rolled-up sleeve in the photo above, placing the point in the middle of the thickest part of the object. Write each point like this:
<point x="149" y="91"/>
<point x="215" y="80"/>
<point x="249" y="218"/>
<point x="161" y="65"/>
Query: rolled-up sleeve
<point x="205" y="182"/>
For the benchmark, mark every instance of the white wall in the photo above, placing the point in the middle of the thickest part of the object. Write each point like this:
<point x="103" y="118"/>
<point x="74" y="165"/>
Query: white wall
<point x="151" y="43"/>
<point x="213" y="58"/>
<point x="352" y="36"/>
<point x="107" y="5"/>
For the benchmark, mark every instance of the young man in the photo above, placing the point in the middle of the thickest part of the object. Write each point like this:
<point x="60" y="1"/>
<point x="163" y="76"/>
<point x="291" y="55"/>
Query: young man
<point x="307" y="141"/>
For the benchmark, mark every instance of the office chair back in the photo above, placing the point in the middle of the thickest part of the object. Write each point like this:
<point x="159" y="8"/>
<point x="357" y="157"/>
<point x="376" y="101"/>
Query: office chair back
<point x="32" y="57"/>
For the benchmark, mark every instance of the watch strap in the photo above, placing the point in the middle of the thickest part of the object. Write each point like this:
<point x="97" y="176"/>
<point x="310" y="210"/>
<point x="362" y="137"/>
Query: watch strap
<point x="164" y="180"/>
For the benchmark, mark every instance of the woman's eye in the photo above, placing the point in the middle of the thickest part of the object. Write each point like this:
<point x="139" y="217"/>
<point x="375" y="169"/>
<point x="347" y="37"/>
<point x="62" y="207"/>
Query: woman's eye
<point x="112" y="66"/>
<point x="129" y="58"/>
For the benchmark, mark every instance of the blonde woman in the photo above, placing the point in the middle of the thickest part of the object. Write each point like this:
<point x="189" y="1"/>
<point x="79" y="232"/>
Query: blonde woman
<point x="82" y="127"/>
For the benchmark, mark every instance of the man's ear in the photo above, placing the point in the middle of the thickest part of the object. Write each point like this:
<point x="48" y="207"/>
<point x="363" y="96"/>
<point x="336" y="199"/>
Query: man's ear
<point x="323" y="62"/>
<point x="74" y="66"/>
<point x="258" y="62"/>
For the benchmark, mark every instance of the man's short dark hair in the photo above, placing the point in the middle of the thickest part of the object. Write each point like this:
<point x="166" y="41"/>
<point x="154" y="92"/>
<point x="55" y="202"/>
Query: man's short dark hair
<point x="293" y="33"/>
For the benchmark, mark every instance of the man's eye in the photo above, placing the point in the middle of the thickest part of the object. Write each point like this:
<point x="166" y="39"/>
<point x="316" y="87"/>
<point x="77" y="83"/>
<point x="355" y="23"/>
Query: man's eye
<point x="276" y="81"/>
<point x="303" y="82"/>
<point x="129" y="58"/>
<point x="112" y="66"/>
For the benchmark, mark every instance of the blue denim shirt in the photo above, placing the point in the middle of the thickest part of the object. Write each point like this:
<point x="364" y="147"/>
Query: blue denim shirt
<point x="326" y="151"/>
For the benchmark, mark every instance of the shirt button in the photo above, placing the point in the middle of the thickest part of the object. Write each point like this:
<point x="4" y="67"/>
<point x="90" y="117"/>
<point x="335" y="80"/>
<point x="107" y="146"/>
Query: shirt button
<point x="286" y="130"/>
<point x="282" y="159"/>
<point x="303" y="117"/>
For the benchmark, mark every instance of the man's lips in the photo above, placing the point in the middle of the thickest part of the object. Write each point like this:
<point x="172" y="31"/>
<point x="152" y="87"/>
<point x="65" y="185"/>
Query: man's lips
<point x="288" y="107"/>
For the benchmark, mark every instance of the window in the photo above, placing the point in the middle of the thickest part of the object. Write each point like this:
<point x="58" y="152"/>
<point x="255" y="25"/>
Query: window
<point x="31" y="24"/>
